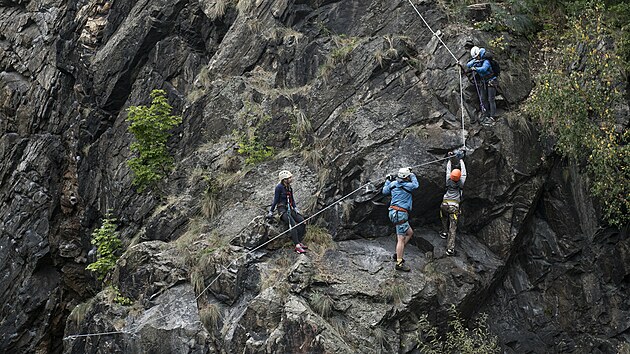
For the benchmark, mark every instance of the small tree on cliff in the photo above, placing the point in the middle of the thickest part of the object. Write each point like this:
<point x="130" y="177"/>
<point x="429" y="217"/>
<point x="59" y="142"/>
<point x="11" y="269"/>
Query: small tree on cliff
<point x="150" y="126"/>
<point x="107" y="242"/>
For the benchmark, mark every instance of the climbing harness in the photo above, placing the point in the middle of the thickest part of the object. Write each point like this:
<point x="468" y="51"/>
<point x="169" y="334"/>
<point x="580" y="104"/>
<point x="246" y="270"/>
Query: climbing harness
<point x="367" y="186"/>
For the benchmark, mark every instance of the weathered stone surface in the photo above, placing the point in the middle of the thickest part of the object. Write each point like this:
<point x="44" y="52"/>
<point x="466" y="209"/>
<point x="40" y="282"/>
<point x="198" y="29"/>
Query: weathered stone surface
<point x="170" y="325"/>
<point x="346" y="92"/>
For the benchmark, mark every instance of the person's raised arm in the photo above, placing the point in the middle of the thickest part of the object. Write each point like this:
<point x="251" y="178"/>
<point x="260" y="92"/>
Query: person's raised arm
<point x="448" y="170"/>
<point x="463" y="168"/>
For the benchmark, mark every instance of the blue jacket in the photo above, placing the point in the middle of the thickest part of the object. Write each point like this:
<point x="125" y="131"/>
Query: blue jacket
<point x="483" y="67"/>
<point x="281" y="197"/>
<point x="401" y="197"/>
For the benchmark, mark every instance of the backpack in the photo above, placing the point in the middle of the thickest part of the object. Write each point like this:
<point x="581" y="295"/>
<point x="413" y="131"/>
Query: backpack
<point x="496" y="68"/>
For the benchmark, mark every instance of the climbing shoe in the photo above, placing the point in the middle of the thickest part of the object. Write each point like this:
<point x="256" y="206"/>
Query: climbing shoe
<point x="395" y="257"/>
<point x="299" y="249"/>
<point x="443" y="235"/>
<point x="487" y="122"/>
<point x="450" y="252"/>
<point x="402" y="266"/>
<point x="303" y="246"/>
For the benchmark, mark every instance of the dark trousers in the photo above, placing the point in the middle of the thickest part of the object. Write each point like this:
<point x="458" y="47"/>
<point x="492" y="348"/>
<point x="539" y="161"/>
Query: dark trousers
<point x="488" y="93"/>
<point x="297" y="233"/>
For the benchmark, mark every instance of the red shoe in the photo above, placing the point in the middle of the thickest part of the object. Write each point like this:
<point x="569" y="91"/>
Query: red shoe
<point x="303" y="246"/>
<point x="299" y="249"/>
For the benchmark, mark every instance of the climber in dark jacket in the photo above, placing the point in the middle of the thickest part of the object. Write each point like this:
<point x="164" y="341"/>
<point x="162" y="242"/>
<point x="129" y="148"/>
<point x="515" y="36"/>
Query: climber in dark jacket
<point x="486" y="82"/>
<point x="399" y="209"/>
<point x="289" y="213"/>
<point x="449" y="210"/>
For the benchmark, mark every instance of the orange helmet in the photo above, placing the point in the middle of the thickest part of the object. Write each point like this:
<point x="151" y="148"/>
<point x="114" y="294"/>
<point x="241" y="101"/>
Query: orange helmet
<point x="456" y="174"/>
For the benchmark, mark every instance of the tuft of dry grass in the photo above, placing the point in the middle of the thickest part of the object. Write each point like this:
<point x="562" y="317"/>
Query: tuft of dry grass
<point x="394" y="290"/>
<point x="218" y="8"/>
<point x="210" y="316"/>
<point x="319" y="240"/>
<point x="322" y="303"/>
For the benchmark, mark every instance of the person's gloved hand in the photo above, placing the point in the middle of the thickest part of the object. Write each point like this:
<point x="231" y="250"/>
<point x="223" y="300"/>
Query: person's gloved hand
<point x="270" y="215"/>
<point x="389" y="178"/>
<point x="460" y="154"/>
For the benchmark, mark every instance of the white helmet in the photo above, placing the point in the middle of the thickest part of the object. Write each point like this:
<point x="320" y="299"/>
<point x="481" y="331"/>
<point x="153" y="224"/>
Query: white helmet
<point x="474" y="51"/>
<point x="284" y="174"/>
<point x="404" y="172"/>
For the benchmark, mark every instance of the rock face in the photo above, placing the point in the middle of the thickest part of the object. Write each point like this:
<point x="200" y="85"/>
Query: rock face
<point x="345" y="92"/>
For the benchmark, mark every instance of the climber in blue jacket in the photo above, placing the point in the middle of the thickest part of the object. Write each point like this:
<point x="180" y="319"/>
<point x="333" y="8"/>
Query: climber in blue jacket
<point x="486" y="82"/>
<point x="399" y="208"/>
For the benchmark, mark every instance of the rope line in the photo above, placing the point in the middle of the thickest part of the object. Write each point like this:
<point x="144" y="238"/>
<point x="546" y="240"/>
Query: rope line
<point x="483" y="107"/>
<point x="221" y="272"/>
<point x="461" y="96"/>
<point x="130" y="332"/>
<point x="435" y="34"/>
<point x="461" y="85"/>
<point x="74" y="336"/>
<point x="430" y="162"/>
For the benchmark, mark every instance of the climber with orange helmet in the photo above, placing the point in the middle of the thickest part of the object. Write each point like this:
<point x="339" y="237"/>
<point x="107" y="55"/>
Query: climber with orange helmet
<point x="399" y="208"/>
<point x="449" y="210"/>
<point x="289" y="213"/>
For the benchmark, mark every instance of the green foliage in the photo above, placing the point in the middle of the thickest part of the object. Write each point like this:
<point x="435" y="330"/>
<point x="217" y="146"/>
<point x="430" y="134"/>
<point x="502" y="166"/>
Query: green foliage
<point x="150" y="127"/>
<point x="121" y="300"/>
<point x="343" y="47"/>
<point x="575" y="102"/>
<point x="252" y="148"/>
<point x="107" y="242"/>
<point x="340" y="54"/>
<point x="458" y="338"/>
<point x="249" y="143"/>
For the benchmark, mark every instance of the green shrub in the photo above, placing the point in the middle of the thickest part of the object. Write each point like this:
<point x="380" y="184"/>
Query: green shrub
<point x="107" y="242"/>
<point x="576" y="103"/>
<point x="150" y="127"/>
<point x="250" y="144"/>
<point x="121" y="300"/>
<point x="458" y="338"/>
<point x="252" y="148"/>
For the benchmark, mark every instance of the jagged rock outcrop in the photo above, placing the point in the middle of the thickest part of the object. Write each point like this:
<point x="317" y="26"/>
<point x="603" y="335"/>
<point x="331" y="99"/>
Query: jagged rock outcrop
<point x="346" y="92"/>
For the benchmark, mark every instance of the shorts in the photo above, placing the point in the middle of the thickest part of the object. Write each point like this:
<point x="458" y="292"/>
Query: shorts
<point x="400" y="219"/>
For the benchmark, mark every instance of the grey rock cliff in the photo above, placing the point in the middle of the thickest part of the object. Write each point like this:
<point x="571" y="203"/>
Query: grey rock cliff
<point x="345" y="91"/>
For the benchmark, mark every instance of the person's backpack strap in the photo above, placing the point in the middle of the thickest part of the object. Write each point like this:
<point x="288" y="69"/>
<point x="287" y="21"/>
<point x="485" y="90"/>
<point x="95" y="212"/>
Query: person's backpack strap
<point x="405" y="189"/>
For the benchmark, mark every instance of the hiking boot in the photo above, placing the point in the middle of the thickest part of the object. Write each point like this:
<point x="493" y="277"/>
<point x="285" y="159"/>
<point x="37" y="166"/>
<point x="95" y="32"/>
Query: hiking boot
<point x="443" y="235"/>
<point x="450" y="252"/>
<point x="299" y="249"/>
<point x="487" y="122"/>
<point x="402" y="266"/>
<point x="303" y="246"/>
